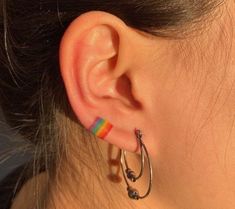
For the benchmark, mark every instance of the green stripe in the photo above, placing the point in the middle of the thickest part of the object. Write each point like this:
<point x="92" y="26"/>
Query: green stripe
<point x="99" y="125"/>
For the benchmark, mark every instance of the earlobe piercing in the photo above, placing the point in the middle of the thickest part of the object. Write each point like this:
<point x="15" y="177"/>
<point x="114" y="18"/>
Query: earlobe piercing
<point x="101" y="127"/>
<point x="130" y="175"/>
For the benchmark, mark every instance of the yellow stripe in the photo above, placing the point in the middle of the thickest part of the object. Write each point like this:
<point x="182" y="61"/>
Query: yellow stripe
<point x="102" y="128"/>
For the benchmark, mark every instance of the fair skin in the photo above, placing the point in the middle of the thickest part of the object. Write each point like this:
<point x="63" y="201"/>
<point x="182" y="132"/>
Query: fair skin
<point x="178" y="92"/>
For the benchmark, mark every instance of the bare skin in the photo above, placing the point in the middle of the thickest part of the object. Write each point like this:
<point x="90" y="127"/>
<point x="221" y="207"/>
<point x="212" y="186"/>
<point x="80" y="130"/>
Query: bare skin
<point x="187" y="113"/>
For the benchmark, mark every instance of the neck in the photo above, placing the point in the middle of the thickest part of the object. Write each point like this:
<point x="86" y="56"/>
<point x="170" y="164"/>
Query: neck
<point x="81" y="188"/>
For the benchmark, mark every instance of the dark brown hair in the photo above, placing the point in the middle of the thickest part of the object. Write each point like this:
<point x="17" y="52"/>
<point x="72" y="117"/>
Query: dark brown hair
<point x="32" y="93"/>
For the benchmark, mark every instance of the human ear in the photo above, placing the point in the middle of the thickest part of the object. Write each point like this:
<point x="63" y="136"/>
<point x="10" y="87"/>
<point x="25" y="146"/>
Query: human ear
<point x="97" y="66"/>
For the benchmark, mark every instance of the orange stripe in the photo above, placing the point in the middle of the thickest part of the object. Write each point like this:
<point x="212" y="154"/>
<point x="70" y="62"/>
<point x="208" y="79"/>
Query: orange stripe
<point x="105" y="130"/>
<point x="100" y="130"/>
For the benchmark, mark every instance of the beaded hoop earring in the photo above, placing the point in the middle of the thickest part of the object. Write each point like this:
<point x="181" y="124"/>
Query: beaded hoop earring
<point x="130" y="175"/>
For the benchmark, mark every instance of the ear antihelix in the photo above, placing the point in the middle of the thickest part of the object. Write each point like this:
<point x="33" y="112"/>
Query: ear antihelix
<point x="101" y="127"/>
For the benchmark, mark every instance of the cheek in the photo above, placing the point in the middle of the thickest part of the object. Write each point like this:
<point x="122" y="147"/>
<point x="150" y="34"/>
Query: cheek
<point x="186" y="141"/>
<point x="188" y="169"/>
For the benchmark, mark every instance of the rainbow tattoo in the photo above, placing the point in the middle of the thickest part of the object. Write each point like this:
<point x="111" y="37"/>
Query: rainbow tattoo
<point x="101" y="127"/>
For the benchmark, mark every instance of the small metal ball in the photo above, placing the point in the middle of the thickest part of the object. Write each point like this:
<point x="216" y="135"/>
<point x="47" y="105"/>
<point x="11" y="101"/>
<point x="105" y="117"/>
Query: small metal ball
<point x="133" y="193"/>
<point x="131" y="175"/>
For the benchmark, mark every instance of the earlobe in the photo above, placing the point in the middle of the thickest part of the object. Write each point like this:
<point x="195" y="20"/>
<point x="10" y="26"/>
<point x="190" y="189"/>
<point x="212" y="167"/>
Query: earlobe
<point x="95" y="57"/>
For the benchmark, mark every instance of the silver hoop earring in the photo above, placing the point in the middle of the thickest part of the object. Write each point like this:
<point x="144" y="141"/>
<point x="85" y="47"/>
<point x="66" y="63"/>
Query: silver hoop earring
<point x="130" y="175"/>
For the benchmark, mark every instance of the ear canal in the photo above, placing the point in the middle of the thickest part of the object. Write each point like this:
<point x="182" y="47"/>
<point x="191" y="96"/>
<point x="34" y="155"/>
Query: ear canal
<point x="124" y="88"/>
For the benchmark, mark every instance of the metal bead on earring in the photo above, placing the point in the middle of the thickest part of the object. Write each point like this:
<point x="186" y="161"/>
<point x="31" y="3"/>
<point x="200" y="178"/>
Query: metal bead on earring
<point x="133" y="193"/>
<point x="130" y="174"/>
